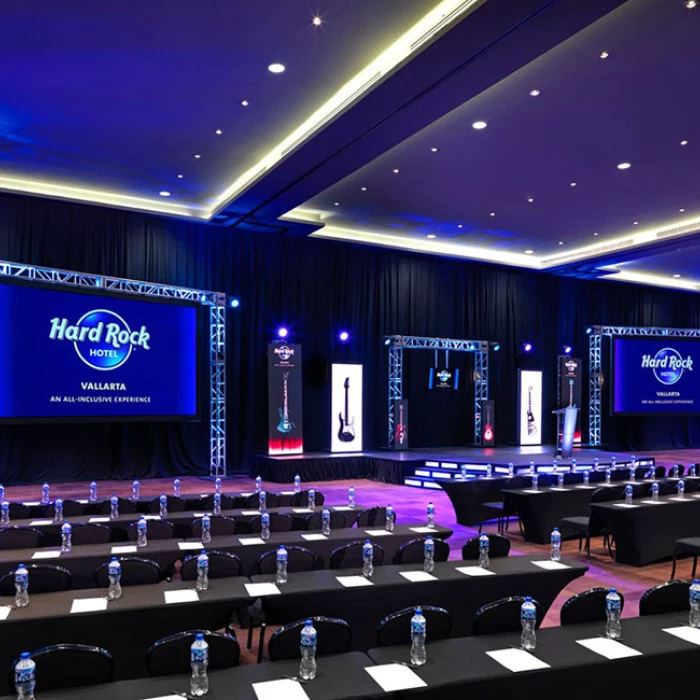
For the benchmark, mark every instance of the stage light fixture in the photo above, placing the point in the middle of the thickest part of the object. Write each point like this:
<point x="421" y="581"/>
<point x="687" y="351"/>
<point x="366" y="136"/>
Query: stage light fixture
<point x="235" y="303"/>
<point x="589" y="330"/>
<point x="567" y="349"/>
<point x="496" y="347"/>
<point x="282" y="332"/>
<point x="344" y="336"/>
<point x="527" y="347"/>
<point x="387" y="341"/>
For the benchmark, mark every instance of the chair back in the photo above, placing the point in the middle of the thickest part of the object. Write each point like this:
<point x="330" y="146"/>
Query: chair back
<point x="221" y="565"/>
<point x="412" y="552"/>
<point x="171" y="654"/>
<point x="135" y="572"/>
<point x="313" y="521"/>
<point x="43" y="578"/>
<point x="517" y="482"/>
<point x="16" y="537"/>
<point x="157" y="530"/>
<point x="253" y="501"/>
<point x="301" y="499"/>
<point x="207" y="503"/>
<point x="334" y="637"/>
<point x="573" y="478"/>
<point x="349" y="556"/>
<point x="666" y="488"/>
<point x="502" y="616"/>
<point x="672" y="596"/>
<point x="175" y="505"/>
<point x="18" y="511"/>
<point x="372" y="517"/>
<point x="298" y="559"/>
<point x="70" y="666"/>
<point x="71" y="509"/>
<point x="221" y="526"/>
<point x="395" y="629"/>
<point x="279" y="522"/>
<point x="660" y="472"/>
<point x="499" y="546"/>
<point x="588" y="606"/>
<point x="126" y="506"/>
<point x="90" y="533"/>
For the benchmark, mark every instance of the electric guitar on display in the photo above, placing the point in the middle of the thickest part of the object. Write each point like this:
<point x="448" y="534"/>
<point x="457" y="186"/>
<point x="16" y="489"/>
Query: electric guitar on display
<point x="531" y="422"/>
<point x="401" y="432"/>
<point x="285" y="425"/>
<point x="346" y="433"/>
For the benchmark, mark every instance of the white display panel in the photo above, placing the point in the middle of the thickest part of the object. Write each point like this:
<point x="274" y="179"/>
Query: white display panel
<point x="530" y="408"/>
<point x="346" y="408"/>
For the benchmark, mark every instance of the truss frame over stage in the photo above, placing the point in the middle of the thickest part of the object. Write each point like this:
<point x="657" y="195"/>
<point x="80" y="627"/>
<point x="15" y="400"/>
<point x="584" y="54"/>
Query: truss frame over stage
<point x="216" y="301"/>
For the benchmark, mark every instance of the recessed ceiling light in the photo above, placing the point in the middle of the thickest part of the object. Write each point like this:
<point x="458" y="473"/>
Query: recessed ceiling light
<point x="245" y="103"/>
<point x="681" y="210"/>
<point x="530" y="199"/>
<point x="336" y="204"/>
<point x="561" y="242"/>
<point x="459" y="226"/>
<point x="276" y="68"/>
<point x="534" y="93"/>
<point x="604" y="54"/>
<point x="572" y="184"/>
<point x="479" y="125"/>
<point x="433" y="150"/>
<point x="396" y="171"/>
<point x="218" y="132"/>
<point x="624" y="166"/>
<point x="164" y="193"/>
<point x="691" y="4"/>
<point x="364" y="189"/>
<point x="180" y="176"/>
<point x="684" y="142"/>
<point x="317" y="21"/>
<point x="493" y="213"/>
<point x="529" y="252"/>
<point x="676" y="276"/>
<point x="431" y="235"/>
<point x="595" y="233"/>
<point x="635" y="223"/>
<point x="196" y="155"/>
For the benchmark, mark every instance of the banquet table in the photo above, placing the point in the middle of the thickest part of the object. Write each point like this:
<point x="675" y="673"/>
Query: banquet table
<point x="468" y="495"/>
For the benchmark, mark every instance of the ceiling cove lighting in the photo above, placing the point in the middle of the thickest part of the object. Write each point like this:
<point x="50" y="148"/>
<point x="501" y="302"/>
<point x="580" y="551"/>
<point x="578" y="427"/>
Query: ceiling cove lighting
<point x="479" y="125"/>
<point x="654" y="280"/>
<point x="624" y="166"/>
<point x="277" y="68"/>
<point x="440" y="19"/>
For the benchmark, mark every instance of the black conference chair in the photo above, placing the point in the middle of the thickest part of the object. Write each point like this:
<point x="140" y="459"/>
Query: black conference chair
<point x="171" y="654"/>
<point x="572" y="478"/>
<point x="18" y="511"/>
<point x="279" y="522"/>
<point x="70" y="666"/>
<point x="666" y="488"/>
<point x="207" y="503"/>
<point x="253" y="501"/>
<point x="71" y="509"/>
<point x="301" y="499"/>
<point x="43" y="578"/>
<point x="298" y="559"/>
<point x="135" y="572"/>
<point x="686" y="545"/>
<point x="676" y="471"/>
<point x="669" y="597"/>
<point x="499" y="546"/>
<point x="372" y="517"/>
<point x="157" y="530"/>
<point x="16" y="537"/>
<point x="335" y="637"/>
<point x="221" y="565"/>
<point x="588" y="606"/>
<point x="395" y="629"/>
<point x="313" y="521"/>
<point x="125" y="506"/>
<point x="90" y="533"/>
<point x="349" y="556"/>
<point x="412" y="552"/>
<point x="500" y="510"/>
<point x="221" y="526"/>
<point x="502" y="616"/>
<point x="175" y="505"/>
<point x="660" y="472"/>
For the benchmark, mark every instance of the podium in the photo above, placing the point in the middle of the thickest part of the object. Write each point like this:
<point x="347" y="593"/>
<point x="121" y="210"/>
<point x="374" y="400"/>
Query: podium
<point x="566" y="427"/>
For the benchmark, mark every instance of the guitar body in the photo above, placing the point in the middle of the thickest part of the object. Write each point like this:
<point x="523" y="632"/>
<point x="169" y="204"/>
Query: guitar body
<point x="285" y="425"/>
<point x="346" y="432"/>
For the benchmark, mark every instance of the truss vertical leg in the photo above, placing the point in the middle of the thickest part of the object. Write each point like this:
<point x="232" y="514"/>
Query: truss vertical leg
<point x="595" y="343"/>
<point x="217" y="390"/>
<point x="481" y="389"/>
<point x="395" y="390"/>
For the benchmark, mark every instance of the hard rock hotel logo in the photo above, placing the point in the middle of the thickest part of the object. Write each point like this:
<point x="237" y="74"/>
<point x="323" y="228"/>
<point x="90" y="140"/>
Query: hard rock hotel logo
<point x="668" y="365"/>
<point x="102" y="339"/>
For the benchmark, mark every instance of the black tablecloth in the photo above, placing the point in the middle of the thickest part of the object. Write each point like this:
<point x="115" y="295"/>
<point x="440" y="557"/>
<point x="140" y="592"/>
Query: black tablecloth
<point x="339" y="677"/>
<point x="83" y="561"/>
<point x="319" y="593"/>
<point x="459" y="668"/>
<point x="468" y="495"/>
<point x="648" y="532"/>
<point x="126" y="628"/>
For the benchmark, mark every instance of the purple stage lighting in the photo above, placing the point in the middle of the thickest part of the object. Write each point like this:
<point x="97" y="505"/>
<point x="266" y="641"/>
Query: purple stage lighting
<point x="282" y="332"/>
<point x="527" y="347"/>
<point x="344" y="336"/>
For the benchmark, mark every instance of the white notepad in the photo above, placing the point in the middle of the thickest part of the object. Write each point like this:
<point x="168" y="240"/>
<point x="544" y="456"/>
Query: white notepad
<point x="353" y="581"/>
<point x="653" y="503"/>
<point x="124" y="549"/>
<point x="251" y="540"/>
<point x="556" y="488"/>
<point x="687" y="634"/>
<point x="250" y="512"/>
<point x="343" y="508"/>
<point x="302" y="510"/>
<point x="83" y="605"/>
<point x="583" y="486"/>
<point x="188" y="546"/>
<point x="37" y="523"/>
<point x="258" y="590"/>
<point x="101" y="519"/>
<point x="151" y="517"/>
<point x="417" y="576"/>
<point x="377" y="533"/>
<point x="314" y="537"/>
<point x="275" y="690"/>
<point x="186" y="596"/>
<point x="550" y="565"/>
<point x="392" y="677"/>
<point x="473" y="571"/>
<point x="425" y="530"/>
<point x="166" y="697"/>
<point x="46" y="555"/>
<point x="31" y="503"/>
<point x="517" y="660"/>
<point x="5" y="610"/>
<point x="201" y="515"/>
<point x="531" y="491"/>
<point x="609" y="648"/>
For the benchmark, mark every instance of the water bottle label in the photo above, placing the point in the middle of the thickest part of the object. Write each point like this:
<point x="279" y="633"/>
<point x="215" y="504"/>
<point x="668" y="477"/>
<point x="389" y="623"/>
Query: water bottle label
<point x="614" y="605"/>
<point x="308" y="640"/>
<point x="25" y="675"/>
<point x="198" y="656"/>
<point x="529" y="614"/>
<point x="417" y="627"/>
<point x="694" y="595"/>
<point x="429" y="547"/>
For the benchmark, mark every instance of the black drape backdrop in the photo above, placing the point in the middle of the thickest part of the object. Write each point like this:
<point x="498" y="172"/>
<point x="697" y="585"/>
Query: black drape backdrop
<point x="316" y="288"/>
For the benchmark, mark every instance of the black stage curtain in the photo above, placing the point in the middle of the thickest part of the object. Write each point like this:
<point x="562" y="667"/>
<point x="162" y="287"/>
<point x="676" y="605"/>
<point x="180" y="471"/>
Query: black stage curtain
<point x="316" y="288"/>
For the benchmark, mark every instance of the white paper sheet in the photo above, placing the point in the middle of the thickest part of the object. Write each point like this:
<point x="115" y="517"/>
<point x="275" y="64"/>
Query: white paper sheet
<point x="245" y="541"/>
<point x="37" y="523"/>
<point x="377" y="533"/>
<point x="531" y="491"/>
<point x="201" y="515"/>
<point x="83" y="500"/>
<point x="5" y="610"/>
<point x="391" y="677"/>
<point x="677" y="498"/>
<point x="583" y="486"/>
<point x="314" y="537"/>
<point x="473" y="571"/>
<point x="186" y="596"/>
<point x="258" y="590"/>
<point x="285" y="689"/>
<point x="417" y="576"/>
<point x="687" y="634"/>
<point x="302" y="510"/>
<point x="342" y="508"/>
<point x="31" y="503"/>
<point x="626" y="505"/>
<point x="250" y="512"/>
<point x="353" y="581"/>
<point x="151" y="517"/>
<point x="287" y="493"/>
<point x="609" y="648"/>
<point x="100" y="519"/>
<point x="649" y="502"/>
<point x="425" y="530"/>
<point x="46" y="555"/>
<point x="83" y="605"/>
<point x="124" y="549"/>
<point x="245" y="495"/>
<point x="556" y="488"/>
<point x="517" y="660"/>
<point x="189" y="546"/>
<point x="166" y="697"/>
<point x="550" y="565"/>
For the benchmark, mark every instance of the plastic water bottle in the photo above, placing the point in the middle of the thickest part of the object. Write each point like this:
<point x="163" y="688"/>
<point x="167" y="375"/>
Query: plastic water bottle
<point x="309" y="640"/>
<point x="367" y="559"/>
<point x="655" y="491"/>
<point x="419" y="654"/>
<point x="484" y="544"/>
<point x="431" y="514"/>
<point x="511" y="469"/>
<point x="555" y="554"/>
<point x="532" y="467"/>
<point x="66" y="537"/>
<point x="326" y="522"/>
<point x="694" y="617"/>
<point x="674" y="471"/>
<point x="265" y="526"/>
<point x="258" y="484"/>
<point x="629" y="491"/>
<point x="681" y="489"/>
<point x="351" y="497"/>
<point x="142" y="532"/>
<point x="613" y="461"/>
<point x="176" y="488"/>
<point x="596" y="462"/>
<point x="163" y="503"/>
<point x="114" y="573"/>
<point x="262" y="501"/>
<point x="633" y="459"/>
<point x="555" y="464"/>
<point x="586" y="478"/>
<point x="113" y="508"/>
<point x="206" y="529"/>
<point x="613" y="609"/>
<point x="463" y="471"/>
<point x="429" y="555"/>
<point x="390" y="518"/>
<point x="560" y="481"/>
<point x="93" y="492"/>
<point x="632" y="474"/>
<point x="199" y="660"/>
<point x="21" y="586"/>
<point x="45" y="498"/>
<point x="282" y="556"/>
<point x="217" y="485"/>
<point x="574" y="465"/>
<point x="528" y="620"/>
<point x="608" y="477"/>
<point x="217" y="504"/>
<point x="4" y="513"/>
<point x="25" y="677"/>
<point x="2" y="492"/>
<point x="135" y="490"/>
<point x="691" y="470"/>
<point x="535" y="482"/>
<point x="202" y="572"/>
<point x="312" y="500"/>
<point x="58" y="510"/>
<point x="489" y="471"/>
<point x="297" y="484"/>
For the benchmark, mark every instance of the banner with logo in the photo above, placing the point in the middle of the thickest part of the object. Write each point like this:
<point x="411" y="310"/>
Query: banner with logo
<point x="488" y="423"/>
<point x="284" y="399"/>
<point x="529" y="407"/>
<point x="401" y="432"/>
<point x="570" y="387"/>
<point x="346" y="408"/>
<point x="443" y="378"/>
